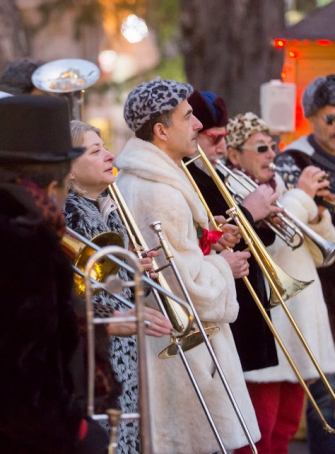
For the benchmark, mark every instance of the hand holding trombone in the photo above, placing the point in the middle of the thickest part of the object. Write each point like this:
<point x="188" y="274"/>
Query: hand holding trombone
<point x="282" y="285"/>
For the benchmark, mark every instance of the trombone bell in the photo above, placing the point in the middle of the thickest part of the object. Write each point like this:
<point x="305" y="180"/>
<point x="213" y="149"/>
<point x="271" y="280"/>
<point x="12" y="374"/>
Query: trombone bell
<point x="79" y="253"/>
<point x="188" y="342"/>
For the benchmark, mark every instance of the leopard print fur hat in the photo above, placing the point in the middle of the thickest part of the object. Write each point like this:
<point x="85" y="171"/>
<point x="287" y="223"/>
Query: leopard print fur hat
<point x="150" y="99"/>
<point x="241" y="127"/>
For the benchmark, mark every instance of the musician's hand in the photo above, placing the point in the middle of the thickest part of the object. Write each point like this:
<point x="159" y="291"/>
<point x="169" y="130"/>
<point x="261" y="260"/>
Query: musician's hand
<point x="231" y="235"/>
<point x="312" y="181"/>
<point x="158" y="325"/>
<point x="238" y="262"/>
<point x="260" y="202"/>
<point x="147" y="265"/>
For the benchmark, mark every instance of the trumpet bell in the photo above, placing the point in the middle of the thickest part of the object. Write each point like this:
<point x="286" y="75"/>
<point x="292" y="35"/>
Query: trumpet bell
<point x="66" y="75"/>
<point x="188" y="342"/>
<point x="79" y="253"/>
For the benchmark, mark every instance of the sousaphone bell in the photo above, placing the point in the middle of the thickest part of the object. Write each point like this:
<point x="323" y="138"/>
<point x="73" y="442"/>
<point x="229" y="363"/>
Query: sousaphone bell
<point x="67" y="77"/>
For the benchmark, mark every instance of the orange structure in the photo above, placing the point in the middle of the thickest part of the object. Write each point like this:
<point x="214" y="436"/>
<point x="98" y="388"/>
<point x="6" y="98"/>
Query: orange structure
<point x="309" y="52"/>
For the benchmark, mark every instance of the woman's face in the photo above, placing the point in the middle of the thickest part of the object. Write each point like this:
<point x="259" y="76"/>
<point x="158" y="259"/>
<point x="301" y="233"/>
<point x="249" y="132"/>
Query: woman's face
<point x="93" y="170"/>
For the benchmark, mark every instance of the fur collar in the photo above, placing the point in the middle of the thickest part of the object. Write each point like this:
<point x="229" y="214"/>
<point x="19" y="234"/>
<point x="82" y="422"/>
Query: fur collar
<point x="146" y="161"/>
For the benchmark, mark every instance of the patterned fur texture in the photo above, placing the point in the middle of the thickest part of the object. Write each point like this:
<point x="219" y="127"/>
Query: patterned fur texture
<point x="83" y="216"/>
<point x="150" y="99"/>
<point x="241" y="127"/>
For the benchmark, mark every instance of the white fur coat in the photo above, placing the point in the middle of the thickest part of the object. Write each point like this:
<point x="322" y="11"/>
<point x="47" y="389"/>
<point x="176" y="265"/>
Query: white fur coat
<point x="156" y="189"/>
<point x="308" y="308"/>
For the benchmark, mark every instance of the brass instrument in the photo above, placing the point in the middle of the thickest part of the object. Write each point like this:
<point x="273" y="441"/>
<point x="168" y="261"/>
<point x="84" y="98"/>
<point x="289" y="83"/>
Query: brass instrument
<point x="156" y="227"/>
<point x="69" y="78"/>
<point x="114" y="415"/>
<point x="181" y="317"/>
<point x="281" y="284"/>
<point x="179" y="344"/>
<point x="79" y="253"/>
<point x="292" y="227"/>
<point x="112" y="284"/>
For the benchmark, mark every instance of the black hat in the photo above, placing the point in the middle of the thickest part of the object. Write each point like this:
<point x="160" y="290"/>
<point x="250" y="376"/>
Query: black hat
<point x="209" y="108"/>
<point x="35" y="129"/>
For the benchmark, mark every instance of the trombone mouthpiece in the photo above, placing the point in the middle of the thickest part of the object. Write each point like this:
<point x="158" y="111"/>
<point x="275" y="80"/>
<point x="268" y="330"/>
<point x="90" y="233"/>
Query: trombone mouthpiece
<point x="272" y="166"/>
<point x="156" y="226"/>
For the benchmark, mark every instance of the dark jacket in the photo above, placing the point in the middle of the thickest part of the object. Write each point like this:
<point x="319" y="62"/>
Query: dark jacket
<point x="290" y="164"/>
<point x="254" y="340"/>
<point x="38" y="333"/>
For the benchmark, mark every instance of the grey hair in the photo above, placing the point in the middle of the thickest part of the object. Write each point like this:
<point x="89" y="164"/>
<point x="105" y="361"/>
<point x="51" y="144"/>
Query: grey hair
<point x="318" y="94"/>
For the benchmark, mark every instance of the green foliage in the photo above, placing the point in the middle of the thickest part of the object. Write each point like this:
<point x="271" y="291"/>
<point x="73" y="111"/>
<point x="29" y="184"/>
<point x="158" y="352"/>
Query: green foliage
<point x="172" y="68"/>
<point x="163" y="17"/>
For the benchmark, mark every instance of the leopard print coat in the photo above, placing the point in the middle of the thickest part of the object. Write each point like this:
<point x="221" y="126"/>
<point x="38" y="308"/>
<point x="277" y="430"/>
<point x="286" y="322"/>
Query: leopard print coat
<point x="83" y="216"/>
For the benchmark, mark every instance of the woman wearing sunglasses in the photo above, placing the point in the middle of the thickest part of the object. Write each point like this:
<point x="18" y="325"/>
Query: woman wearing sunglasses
<point x="275" y="392"/>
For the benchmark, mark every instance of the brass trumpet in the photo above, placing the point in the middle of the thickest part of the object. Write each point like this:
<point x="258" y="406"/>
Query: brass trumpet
<point x="281" y="284"/>
<point x="292" y="228"/>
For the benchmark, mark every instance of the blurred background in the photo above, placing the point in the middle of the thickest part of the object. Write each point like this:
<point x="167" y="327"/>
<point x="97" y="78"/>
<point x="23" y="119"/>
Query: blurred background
<point x="231" y="47"/>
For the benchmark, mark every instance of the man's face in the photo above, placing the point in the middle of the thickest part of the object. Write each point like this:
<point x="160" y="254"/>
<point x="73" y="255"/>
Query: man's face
<point x="324" y="133"/>
<point x="182" y="135"/>
<point x="213" y="143"/>
<point x="255" y="162"/>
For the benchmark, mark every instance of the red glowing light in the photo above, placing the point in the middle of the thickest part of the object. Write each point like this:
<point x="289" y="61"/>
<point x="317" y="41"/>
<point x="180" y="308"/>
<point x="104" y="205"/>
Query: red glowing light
<point x="279" y="43"/>
<point x="281" y="146"/>
<point x="293" y="54"/>
<point x="323" y="42"/>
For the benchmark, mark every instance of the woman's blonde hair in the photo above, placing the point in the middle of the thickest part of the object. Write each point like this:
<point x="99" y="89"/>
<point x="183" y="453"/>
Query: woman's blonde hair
<point x="78" y="129"/>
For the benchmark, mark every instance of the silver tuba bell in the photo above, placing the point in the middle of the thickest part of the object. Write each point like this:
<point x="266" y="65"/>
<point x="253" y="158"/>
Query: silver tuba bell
<point x="67" y="77"/>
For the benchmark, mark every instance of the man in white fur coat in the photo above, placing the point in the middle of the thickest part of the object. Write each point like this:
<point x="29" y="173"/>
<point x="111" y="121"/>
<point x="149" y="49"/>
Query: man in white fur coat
<point x="156" y="189"/>
<point x="275" y="392"/>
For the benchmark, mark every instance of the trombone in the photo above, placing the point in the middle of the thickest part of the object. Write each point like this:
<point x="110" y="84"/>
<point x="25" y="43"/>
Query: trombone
<point x="114" y="415"/>
<point x="180" y="344"/>
<point x="272" y="273"/>
<point x="293" y="227"/>
<point x="181" y="317"/>
<point x="114" y="285"/>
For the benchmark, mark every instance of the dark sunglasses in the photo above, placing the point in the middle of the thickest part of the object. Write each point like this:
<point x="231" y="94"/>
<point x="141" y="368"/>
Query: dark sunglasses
<point x="329" y="119"/>
<point x="262" y="148"/>
<point x="216" y="138"/>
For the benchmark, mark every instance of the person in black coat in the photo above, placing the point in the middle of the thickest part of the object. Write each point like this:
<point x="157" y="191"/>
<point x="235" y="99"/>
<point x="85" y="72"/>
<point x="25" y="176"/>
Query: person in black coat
<point x="254" y="340"/>
<point x="38" y="329"/>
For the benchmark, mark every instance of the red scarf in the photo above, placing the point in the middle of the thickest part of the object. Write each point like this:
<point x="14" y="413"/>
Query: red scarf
<point x="271" y="182"/>
<point x="52" y="215"/>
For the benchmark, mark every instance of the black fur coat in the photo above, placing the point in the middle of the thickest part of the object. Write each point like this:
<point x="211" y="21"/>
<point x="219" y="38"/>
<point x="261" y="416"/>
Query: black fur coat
<point x="38" y="333"/>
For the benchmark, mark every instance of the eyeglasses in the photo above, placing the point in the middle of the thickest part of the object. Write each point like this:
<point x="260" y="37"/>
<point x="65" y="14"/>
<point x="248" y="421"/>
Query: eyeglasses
<point x="329" y="119"/>
<point x="262" y="148"/>
<point x="216" y="138"/>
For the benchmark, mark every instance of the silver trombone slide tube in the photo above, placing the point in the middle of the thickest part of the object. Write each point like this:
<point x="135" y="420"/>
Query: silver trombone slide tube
<point x="99" y="285"/>
<point x="156" y="227"/>
<point x="144" y="410"/>
<point x="128" y="268"/>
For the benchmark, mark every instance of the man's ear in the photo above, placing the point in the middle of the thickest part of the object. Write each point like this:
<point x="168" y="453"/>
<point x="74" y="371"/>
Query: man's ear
<point x="160" y="131"/>
<point x="233" y="155"/>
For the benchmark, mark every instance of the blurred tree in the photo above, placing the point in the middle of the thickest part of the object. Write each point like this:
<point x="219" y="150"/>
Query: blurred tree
<point x="13" y="37"/>
<point x="227" y="47"/>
